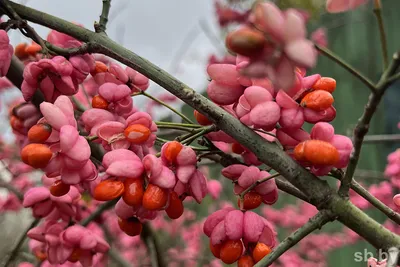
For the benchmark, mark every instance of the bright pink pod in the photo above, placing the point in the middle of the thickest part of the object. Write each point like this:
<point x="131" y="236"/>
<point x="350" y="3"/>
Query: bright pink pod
<point x="292" y="118"/>
<point x="337" y="6"/>
<point x="271" y="197"/>
<point x="6" y="52"/>
<point x="218" y="235"/>
<point x="152" y="165"/>
<point x="291" y="137"/>
<point x="253" y="226"/>
<point x="68" y="137"/>
<point x="166" y="179"/>
<point x="294" y="27"/>
<point x="234" y="225"/>
<point x="234" y="171"/>
<point x="322" y="131"/>
<point x="224" y="94"/>
<point x="186" y="156"/>
<point x="249" y="176"/>
<point x="309" y="81"/>
<point x="285" y="101"/>
<point x="184" y="173"/>
<point x="213" y="219"/>
<point x="214" y="188"/>
<point x="268" y="235"/>
<point x="225" y="74"/>
<point x="123" y="210"/>
<point x="396" y="200"/>
<point x="265" y="115"/>
<point x="302" y="52"/>
<point x="198" y="186"/>
<point x="267" y="186"/>
<point x="256" y="95"/>
<point x="345" y="146"/>
<point x="113" y="92"/>
<point x="270" y="19"/>
<point x="35" y="195"/>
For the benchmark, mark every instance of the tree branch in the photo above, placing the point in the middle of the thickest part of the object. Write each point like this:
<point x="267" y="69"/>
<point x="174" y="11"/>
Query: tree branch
<point x="363" y="124"/>
<point x="12" y="189"/>
<point x="382" y="34"/>
<point x="102" y="25"/>
<point x="318" y="191"/>
<point x="97" y="213"/>
<point x="16" y="248"/>
<point x="381" y="138"/>
<point x="150" y="239"/>
<point x="329" y="54"/>
<point x="316" y="222"/>
<point x="391" y="214"/>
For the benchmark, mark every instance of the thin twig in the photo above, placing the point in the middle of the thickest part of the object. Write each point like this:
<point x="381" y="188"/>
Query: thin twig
<point x="381" y="138"/>
<point x="391" y="214"/>
<point x="328" y="53"/>
<point x="316" y="222"/>
<point x="167" y="106"/>
<point x="102" y="25"/>
<point x="12" y="189"/>
<point x="359" y="189"/>
<point x="151" y="241"/>
<point x="15" y="249"/>
<point x="382" y="34"/>
<point x="363" y="124"/>
<point x="251" y="187"/>
<point x="97" y="213"/>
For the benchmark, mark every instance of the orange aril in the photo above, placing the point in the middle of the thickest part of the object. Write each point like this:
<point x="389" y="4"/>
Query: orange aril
<point x="231" y="251"/>
<point x="154" y="197"/>
<point x="39" y="133"/>
<point x="58" y="188"/>
<point x="317" y="100"/>
<point x="246" y="42"/>
<point x="317" y="152"/>
<point x="108" y="190"/>
<point x="172" y="150"/>
<point x="137" y="133"/>
<point x="99" y="102"/>
<point x="133" y="194"/>
<point x="260" y="251"/>
<point x="215" y="249"/>
<point x="201" y="119"/>
<point x="251" y="201"/>
<point x="131" y="226"/>
<point x="36" y="155"/>
<point x="19" y="51"/>
<point x="245" y="261"/>
<point x="325" y="83"/>
<point x="175" y="207"/>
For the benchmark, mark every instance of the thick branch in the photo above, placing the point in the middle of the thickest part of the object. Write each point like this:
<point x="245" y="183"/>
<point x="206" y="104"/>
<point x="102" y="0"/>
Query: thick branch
<point x="363" y="124"/>
<point x="319" y="192"/>
<point x="316" y="222"/>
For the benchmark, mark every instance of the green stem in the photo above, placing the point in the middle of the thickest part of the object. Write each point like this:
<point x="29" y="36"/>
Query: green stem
<point x="382" y="34"/>
<point x="102" y="25"/>
<point x="178" y="124"/>
<point x="167" y="106"/>
<point x="198" y="134"/>
<point x="174" y="127"/>
<point x="251" y="187"/>
<point x="363" y="124"/>
<point x="316" y="222"/>
<point x="328" y="53"/>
